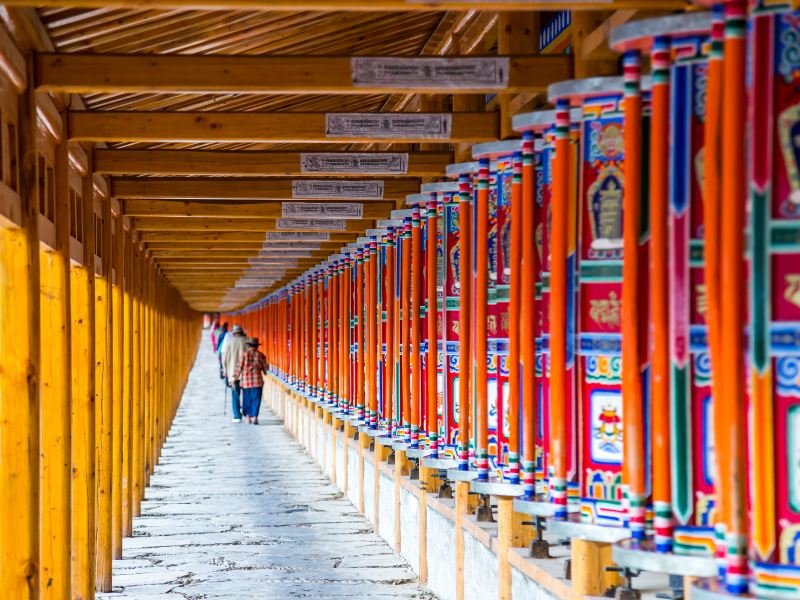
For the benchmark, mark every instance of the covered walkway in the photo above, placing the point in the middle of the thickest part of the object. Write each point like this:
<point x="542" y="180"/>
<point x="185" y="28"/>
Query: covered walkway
<point x="525" y="275"/>
<point x="238" y="512"/>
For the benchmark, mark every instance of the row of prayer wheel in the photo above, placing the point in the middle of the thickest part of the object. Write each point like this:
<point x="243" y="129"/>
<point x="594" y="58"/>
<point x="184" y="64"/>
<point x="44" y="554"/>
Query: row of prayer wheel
<point x="602" y="318"/>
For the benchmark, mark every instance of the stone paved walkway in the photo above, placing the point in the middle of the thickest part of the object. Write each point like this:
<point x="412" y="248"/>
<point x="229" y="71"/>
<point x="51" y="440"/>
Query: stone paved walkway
<point x="238" y="511"/>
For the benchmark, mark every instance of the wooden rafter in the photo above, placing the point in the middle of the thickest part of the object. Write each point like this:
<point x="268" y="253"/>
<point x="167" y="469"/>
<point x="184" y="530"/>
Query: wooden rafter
<point x="118" y="73"/>
<point x="206" y="162"/>
<point x="229" y="189"/>
<point x="285" y="127"/>
<point x="358" y="5"/>
<point x="172" y="208"/>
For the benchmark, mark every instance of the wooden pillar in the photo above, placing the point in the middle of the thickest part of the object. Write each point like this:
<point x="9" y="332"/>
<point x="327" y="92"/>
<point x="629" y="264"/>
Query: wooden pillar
<point x="136" y="382"/>
<point x="127" y="381"/>
<point x="427" y="481"/>
<point x="461" y="502"/>
<point x="19" y="378"/>
<point x="83" y="408"/>
<point x="517" y="33"/>
<point x="56" y="399"/>
<point x="589" y="560"/>
<point x="118" y="447"/>
<point x="103" y="399"/>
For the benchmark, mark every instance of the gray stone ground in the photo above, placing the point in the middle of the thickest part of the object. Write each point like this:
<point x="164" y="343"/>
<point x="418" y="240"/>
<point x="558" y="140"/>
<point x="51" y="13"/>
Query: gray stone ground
<point x="237" y="511"/>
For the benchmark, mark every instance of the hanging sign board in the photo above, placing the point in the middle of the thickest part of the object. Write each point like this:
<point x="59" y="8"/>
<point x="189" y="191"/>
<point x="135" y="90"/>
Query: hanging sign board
<point x="361" y="163"/>
<point x="341" y="189"/>
<point x="311" y="224"/>
<point x="297" y="236"/>
<point x="389" y="125"/>
<point x="271" y="252"/>
<point x="323" y="210"/>
<point x="457" y="73"/>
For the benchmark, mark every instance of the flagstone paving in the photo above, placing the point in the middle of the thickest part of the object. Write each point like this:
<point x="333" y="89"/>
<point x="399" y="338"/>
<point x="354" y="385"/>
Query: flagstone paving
<point x="238" y="512"/>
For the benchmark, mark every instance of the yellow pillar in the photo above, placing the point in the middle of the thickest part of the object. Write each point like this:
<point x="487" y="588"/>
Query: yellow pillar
<point x="116" y="413"/>
<point x="103" y="403"/>
<point x="19" y="383"/>
<point x="127" y="381"/>
<point x="56" y="482"/>
<point x="83" y="410"/>
<point x="137" y="470"/>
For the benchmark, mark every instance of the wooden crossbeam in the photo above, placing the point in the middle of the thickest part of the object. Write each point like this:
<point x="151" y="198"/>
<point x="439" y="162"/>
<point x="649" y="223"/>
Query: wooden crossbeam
<point x="176" y="208"/>
<point x="276" y="127"/>
<point x="233" y="163"/>
<point x="360" y="5"/>
<point x="226" y="236"/>
<point x="144" y="73"/>
<point x="211" y="188"/>
<point x="220" y="225"/>
<point x="331" y="247"/>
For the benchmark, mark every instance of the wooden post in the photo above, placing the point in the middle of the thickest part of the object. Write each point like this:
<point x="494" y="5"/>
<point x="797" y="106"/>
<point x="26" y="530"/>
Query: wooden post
<point x="426" y="480"/>
<point x="505" y="528"/>
<point x="461" y="507"/>
<point x="56" y="478"/>
<point x="590" y="578"/>
<point x="103" y="400"/>
<point x="136" y="382"/>
<point x="117" y="416"/>
<point x="19" y="381"/>
<point x="517" y="33"/>
<point x="127" y="380"/>
<point x="83" y="408"/>
<point x="363" y="444"/>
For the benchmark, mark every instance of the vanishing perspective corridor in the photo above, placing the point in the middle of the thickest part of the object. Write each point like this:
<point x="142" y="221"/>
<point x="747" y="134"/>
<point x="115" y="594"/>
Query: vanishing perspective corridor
<point x="237" y="511"/>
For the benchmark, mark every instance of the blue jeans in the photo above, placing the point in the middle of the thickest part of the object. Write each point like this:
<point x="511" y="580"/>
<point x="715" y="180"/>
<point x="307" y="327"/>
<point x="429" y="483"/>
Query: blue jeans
<point x="235" y="402"/>
<point x="251" y="402"/>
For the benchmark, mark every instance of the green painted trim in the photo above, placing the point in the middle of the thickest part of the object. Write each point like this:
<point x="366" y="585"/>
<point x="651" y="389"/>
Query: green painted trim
<point x="681" y="444"/>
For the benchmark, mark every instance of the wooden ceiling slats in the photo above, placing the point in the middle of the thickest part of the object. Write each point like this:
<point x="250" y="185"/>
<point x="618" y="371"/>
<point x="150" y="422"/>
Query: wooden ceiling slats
<point x="188" y="238"/>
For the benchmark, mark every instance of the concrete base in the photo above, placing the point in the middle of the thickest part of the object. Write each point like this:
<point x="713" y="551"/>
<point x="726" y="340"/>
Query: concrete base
<point x="352" y="469"/>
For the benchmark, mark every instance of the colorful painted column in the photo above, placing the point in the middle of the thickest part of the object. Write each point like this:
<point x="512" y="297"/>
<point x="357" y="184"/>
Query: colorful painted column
<point x="774" y="303"/>
<point x="505" y="241"/>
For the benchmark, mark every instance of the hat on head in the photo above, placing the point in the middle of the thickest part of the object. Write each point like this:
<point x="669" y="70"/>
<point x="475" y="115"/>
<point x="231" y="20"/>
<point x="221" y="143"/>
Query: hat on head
<point x="252" y="342"/>
<point x="237" y="329"/>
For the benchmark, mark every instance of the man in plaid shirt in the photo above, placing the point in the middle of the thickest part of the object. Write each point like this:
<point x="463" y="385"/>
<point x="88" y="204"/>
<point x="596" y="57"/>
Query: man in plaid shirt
<point x="250" y="372"/>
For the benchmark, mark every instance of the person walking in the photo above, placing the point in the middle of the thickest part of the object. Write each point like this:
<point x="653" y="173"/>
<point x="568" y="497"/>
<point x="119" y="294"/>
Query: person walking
<point x="232" y="350"/>
<point x="251" y="370"/>
<point x="217" y="340"/>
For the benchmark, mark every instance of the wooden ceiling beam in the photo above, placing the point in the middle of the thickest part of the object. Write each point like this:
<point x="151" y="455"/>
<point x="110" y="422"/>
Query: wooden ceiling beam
<point x="231" y="210"/>
<point x="275" y="127"/>
<point x="212" y="225"/>
<point x="359" y="5"/>
<point x="341" y="238"/>
<point x="331" y="247"/>
<point x="219" y="188"/>
<point x="176" y="74"/>
<point x="263" y="164"/>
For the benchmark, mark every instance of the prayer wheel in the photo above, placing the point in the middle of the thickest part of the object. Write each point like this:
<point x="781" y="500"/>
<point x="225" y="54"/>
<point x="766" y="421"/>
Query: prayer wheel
<point x="538" y="130"/>
<point x="680" y="378"/>
<point x="503" y="406"/>
<point x="448" y="264"/>
<point x="587" y="326"/>
<point x="464" y="402"/>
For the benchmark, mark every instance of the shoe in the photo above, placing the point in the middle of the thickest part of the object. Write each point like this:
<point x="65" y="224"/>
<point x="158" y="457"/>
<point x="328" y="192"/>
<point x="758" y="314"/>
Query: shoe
<point x="254" y="421"/>
<point x="236" y="420"/>
<point x="247" y="420"/>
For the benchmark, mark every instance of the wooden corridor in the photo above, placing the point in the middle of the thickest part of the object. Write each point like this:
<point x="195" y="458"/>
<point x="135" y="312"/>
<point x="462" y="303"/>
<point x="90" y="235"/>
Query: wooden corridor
<point x="303" y="168"/>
